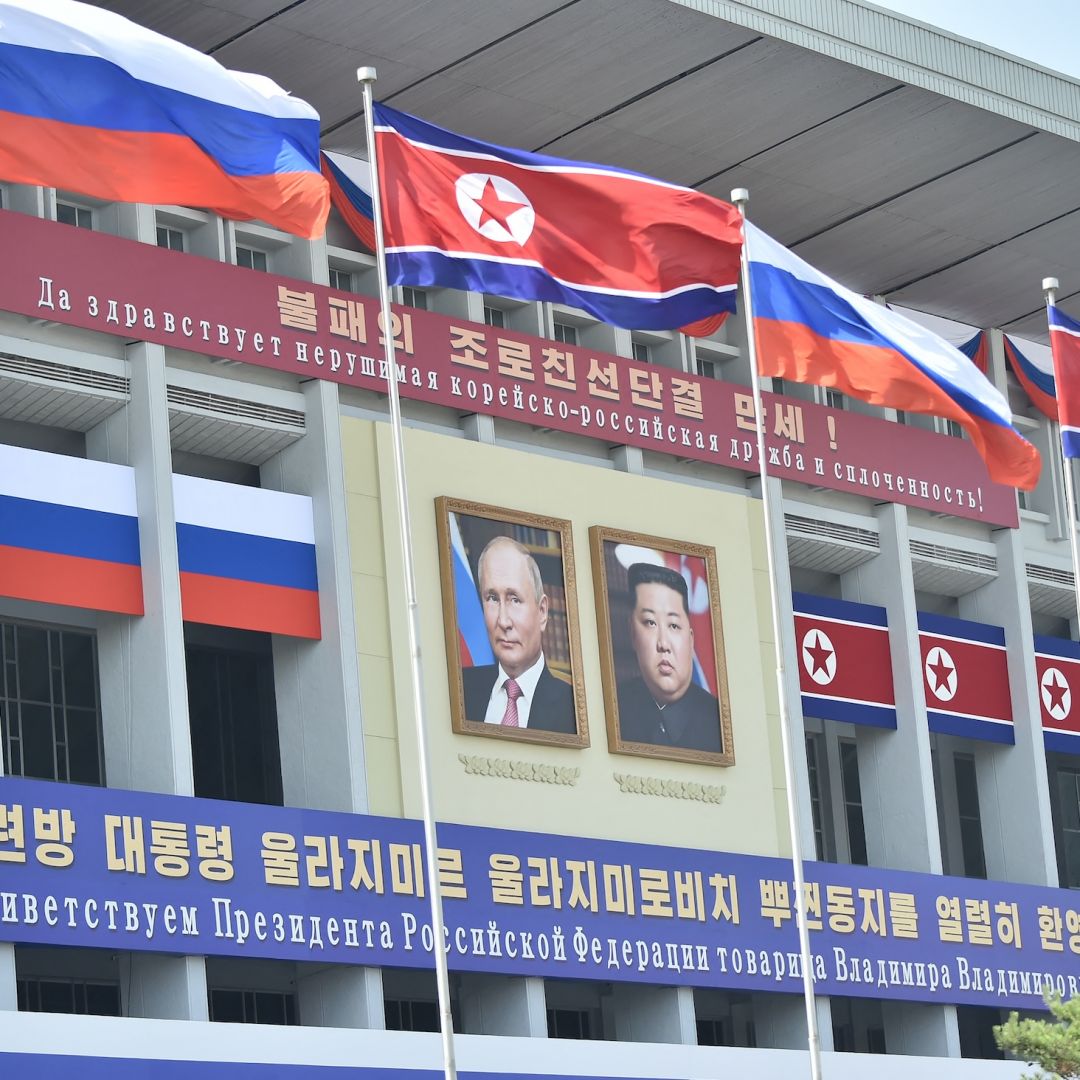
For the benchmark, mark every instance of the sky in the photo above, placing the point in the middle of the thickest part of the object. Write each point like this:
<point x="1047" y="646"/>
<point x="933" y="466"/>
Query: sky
<point x="1046" y="31"/>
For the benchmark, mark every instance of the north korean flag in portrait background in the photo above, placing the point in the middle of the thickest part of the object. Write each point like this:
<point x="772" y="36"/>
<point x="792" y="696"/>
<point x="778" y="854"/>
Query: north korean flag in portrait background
<point x="845" y="666"/>
<point x="1057" y="667"/>
<point x="631" y="250"/>
<point x="965" y="678"/>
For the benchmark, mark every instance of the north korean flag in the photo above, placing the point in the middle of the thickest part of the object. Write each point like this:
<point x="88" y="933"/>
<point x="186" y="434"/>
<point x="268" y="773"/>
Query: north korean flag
<point x="631" y="250"/>
<point x="966" y="678"/>
<point x="1057" y="667"/>
<point x="845" y="666"/>
<point x="1065" y="347"/>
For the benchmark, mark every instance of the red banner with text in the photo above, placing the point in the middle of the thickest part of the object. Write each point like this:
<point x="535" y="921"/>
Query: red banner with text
<point x="141" y="292"/>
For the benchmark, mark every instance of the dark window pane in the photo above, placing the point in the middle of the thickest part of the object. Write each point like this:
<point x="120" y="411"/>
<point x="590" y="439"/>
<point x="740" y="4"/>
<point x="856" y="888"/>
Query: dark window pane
<point x="233" y="725"/>
<point x="227" y="1006"/>
<point x="33" y="658"/>
<point x="269" y="1008"/>
<point x="83" y="747"/>
<point x="80" y="670"/>
<point x="38" y="759"/>
<point x="103" y="999"/>
<point x="58" y="997"/>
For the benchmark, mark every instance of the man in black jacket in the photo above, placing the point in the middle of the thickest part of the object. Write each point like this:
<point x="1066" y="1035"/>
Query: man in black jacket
<point x="664" y="707"/>
<point x="519" y="691"/>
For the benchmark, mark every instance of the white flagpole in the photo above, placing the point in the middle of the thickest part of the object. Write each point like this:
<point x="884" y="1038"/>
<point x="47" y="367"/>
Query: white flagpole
<point x="740" y="197"/>
<point x="1050" y="287"/>
<point x="366" y="76"/>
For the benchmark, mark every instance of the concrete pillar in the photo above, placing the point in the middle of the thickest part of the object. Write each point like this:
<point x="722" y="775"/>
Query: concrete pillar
<point x="144" y="701"/>
<point x="342" y="997"/>
<point x="1014" y="795"/>
<point x="500" y="1005"/>
<point x="320" y="678"/>
<point x="780" y="1021"/>
<point x="165" y="987"/>
<point x="142" y="662"/>
<point x="912" y="1028"/>
<point x="663" y="1014"/>
<point x="895" y="772"/>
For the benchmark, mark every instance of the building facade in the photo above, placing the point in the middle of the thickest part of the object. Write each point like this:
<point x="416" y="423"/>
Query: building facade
<point x="209" y="850"/>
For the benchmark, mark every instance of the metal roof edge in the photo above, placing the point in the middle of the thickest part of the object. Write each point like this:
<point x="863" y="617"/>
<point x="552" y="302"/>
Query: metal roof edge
<point x="915" y="53"/>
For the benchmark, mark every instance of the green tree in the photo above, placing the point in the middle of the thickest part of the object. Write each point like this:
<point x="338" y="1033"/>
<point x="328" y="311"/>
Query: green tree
<point x="1053" y="1045"/>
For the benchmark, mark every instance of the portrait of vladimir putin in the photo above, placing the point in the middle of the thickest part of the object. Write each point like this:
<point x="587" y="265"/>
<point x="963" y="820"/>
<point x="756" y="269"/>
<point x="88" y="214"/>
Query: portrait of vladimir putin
<point x="510" y="621"/>
<point x="518" y="690"/>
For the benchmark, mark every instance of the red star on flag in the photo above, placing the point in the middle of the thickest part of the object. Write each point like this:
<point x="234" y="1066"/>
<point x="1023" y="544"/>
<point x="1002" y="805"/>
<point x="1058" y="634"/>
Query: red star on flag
<point x="1056" y="692"/>
<point x="495" y="207"/>
<point x="941" y="672"/>
<point x="819" y="655"/>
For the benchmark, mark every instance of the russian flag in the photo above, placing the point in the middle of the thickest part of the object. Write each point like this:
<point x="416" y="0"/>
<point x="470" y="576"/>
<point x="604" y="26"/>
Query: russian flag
<point x="247" y="557"/>
<point x="473" y="641"/>
<point x="632" y="251"/>
<point x="811" y="329"/>
<point x="69" y="532"/>
<point x="977" y="350"/>
<point x="93" y="103"/>
<point x="1065" y="347"/>
<point x="350" y="192"/>
<point x="1035" y="373"/>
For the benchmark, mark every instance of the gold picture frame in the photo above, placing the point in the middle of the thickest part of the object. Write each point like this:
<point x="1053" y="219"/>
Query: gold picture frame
<point x="556" y="703"/>
<point x="632" y="634"/>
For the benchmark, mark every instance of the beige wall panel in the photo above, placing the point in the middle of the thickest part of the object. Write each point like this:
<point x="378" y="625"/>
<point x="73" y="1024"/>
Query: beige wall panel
<point x="746" y="818"/>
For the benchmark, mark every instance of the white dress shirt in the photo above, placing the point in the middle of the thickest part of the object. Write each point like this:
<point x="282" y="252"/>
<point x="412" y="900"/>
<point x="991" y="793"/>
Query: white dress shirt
<point x="527" y="681"/>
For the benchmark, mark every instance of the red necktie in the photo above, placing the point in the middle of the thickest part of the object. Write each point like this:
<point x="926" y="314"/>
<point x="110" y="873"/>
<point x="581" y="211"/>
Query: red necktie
<point x="513" y="692"/>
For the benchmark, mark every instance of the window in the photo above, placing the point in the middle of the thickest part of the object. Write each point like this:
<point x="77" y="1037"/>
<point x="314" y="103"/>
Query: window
<point x="71" y="214"/>
<point x="252" y="258"/>
<point x="414" y="298"/>
<point x="341" y="280"/>
<point x="901" y="417"/>
<point x="953" y="429"/>
<point x="641" y="351"/>
<point x="967" y="802"/>
<point x="50" y="712"/>
<point x="409" y="1015"/>
<point x="494" y="316"/>
<point x="69" y="996"/>
<point x="565" y="333"/>
<point x="815" y="767"/>
<point x="1067" y="784"/>
<point x="253" y="1007"/>
<point x="832" y="398"/>
<point x="173" y="239"/>
<point x="570" y="1024"/>
<point x="233" y="714"/>
<point x="706" y="367"/>
<point x="849" y="770"/>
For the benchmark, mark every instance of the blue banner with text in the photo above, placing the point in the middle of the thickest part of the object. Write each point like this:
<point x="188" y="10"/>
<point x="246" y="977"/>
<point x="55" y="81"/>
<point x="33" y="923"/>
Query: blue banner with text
<point x="126" y="870"/>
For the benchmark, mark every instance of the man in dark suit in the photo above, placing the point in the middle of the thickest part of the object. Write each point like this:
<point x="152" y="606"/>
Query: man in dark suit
<point x="519" y="691"/>
<point x="664" y="707"/>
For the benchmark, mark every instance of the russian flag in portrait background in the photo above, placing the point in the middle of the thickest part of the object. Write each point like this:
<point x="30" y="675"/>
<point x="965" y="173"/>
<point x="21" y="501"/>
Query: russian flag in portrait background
<point x="845" y="665"/>
<point x="1065" y="346"/>
<point x="1057" y="668"/>
<point x="247" y="557"/>
<point x="69" y="531"/>
<point x="350" y="192"/>
<point x="1034" y="370"/>
<point x="811" y="329"/>
<point x="93" y="103"/>
<point x="632" y="251"/>
<point x="966" y="678"/>
<point x="473" y="641"/>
